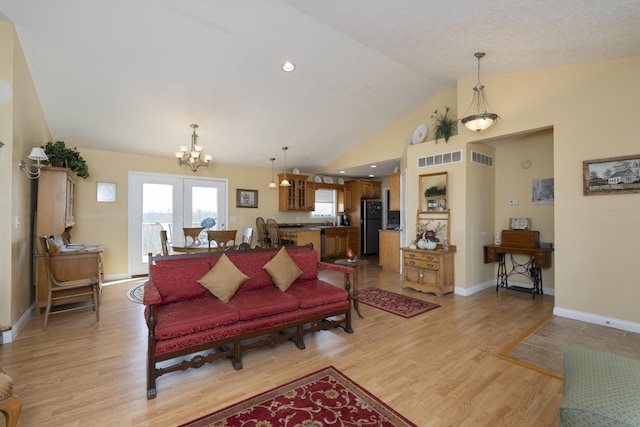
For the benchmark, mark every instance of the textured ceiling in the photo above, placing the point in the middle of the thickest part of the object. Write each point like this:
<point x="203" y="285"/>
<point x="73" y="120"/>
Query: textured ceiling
<point x="132" y="76"/>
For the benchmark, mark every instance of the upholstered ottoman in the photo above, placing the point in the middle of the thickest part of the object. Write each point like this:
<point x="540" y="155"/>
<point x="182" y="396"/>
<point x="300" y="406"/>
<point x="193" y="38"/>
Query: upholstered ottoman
<point x="600" y="389"/>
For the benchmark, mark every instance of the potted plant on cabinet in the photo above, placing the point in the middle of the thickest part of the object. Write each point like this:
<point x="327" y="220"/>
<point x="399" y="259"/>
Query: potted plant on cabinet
<point x="67" y="157"/>
<point x="444" y="125"/>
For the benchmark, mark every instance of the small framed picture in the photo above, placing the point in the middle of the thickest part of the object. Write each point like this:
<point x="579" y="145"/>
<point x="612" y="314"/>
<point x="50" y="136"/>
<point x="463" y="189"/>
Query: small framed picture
<point x="106" y="192"/>
<point x="246" y="198"/>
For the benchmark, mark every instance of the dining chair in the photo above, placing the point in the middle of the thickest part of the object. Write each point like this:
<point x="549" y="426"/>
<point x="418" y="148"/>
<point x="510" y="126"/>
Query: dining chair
<point x="273" y="231"/>
<point x="163" y="242"/>
<point x="247" y="235"/>
<point x="71" y="291"/>
<point x="261" y="229"/>
<point x="193" y="233"/>
<point x="223" y="239"/>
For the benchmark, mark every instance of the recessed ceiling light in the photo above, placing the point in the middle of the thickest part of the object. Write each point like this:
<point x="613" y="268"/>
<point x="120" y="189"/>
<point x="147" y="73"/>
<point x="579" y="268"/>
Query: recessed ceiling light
<point x="343" y="172"/>
<point x="288" y="66"/>
<point x="374" y="166"/>
<point x="371" y="175"/>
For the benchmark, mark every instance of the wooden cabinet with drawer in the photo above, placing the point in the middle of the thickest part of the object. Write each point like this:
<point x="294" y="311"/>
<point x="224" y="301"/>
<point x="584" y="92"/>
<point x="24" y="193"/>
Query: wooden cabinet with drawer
<point x="428" y="271"/>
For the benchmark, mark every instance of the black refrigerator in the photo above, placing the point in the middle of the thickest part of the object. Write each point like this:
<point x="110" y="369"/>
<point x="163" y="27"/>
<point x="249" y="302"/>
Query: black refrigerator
<point x="371" y="222"/>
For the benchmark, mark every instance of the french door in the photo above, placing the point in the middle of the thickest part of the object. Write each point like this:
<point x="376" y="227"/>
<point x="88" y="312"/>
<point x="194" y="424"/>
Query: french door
<point x="170" y="202"/>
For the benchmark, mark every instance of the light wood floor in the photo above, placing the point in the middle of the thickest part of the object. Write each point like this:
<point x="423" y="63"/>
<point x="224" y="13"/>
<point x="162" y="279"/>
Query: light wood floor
<point x="437" y="369"/>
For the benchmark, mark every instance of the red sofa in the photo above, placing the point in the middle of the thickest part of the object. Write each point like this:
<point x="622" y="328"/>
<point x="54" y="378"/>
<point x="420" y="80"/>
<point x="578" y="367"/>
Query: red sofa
<point x="184" y="317"/>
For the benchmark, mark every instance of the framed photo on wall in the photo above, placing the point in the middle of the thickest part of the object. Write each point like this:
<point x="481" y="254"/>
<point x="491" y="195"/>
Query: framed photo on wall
<point x="615" y="175"/>
<point x="246" y="198"/>
<point x="106" y="192"/>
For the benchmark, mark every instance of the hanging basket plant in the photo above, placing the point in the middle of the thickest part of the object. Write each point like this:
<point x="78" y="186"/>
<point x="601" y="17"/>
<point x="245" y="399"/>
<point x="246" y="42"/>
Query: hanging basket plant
<point x="444" y="125"/>
<point x="66" y="157"/>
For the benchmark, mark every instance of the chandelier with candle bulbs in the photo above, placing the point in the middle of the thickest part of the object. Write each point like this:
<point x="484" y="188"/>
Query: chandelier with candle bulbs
<point x="193" y="157"/>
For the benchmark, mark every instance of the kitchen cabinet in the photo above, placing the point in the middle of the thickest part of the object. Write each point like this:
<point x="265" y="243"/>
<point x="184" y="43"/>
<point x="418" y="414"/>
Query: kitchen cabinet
<point x="428" y="271"/>
<point x="338" y="239"/>
<point x="370" y="189"/>
<point x="300" y="196"/>
<point x="302" y="236"/>
<point x="394" y="191"/>
<point x="353" y="239"/>
<point x="348" y="198"/>
<point x="389" y="257"/>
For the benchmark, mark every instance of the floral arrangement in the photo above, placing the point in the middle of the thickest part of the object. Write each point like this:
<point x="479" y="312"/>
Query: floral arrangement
<point x="424" y="232"/>
<point x="208" y="223"/>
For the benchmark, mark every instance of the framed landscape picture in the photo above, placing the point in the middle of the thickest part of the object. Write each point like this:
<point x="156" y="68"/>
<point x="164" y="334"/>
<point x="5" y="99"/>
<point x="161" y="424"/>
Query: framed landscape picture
<point x="246" y="198"/>
<point x="615" y="175"/>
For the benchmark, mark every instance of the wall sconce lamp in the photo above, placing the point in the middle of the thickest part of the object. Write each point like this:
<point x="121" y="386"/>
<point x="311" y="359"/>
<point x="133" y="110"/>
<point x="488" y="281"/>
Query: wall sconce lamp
<point x="36" y="154"/>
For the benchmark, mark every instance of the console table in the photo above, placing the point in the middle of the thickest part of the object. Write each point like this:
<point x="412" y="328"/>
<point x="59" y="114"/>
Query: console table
<point x="520" y="244"/>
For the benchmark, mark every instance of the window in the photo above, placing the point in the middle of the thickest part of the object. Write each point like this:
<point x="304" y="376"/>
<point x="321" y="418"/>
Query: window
<point x="325" y="206"/>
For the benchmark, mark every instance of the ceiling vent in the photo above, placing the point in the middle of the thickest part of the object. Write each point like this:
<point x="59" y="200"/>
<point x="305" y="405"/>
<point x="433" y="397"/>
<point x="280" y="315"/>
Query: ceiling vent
<point x="481" y="159"/>
<point x="440" y="159"/>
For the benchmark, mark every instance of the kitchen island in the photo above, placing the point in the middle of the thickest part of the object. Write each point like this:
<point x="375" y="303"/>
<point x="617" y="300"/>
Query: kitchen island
<point x="330" y="241"/>
<point x="302" y="236"/>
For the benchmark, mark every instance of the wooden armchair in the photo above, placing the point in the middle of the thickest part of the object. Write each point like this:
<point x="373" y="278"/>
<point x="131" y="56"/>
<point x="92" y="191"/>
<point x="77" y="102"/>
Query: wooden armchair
<point x="70" y="291"/>
<point x="193" y="233"/>
<point x="10" y="404"/>
<point x="163" y="242"/>
<point x="273" y="230"/>
<point x="223" y="239"/>
<point x="261" y="229"/>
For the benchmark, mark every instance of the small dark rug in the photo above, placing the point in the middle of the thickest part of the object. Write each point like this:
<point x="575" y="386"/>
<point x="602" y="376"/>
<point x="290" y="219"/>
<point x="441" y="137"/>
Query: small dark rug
<point x="391" y="302"/>
<point x="324" y="398"/>
<point x="136" y="294"/>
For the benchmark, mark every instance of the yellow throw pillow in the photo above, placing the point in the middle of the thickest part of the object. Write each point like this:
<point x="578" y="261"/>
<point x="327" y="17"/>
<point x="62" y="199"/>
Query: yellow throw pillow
<point x="283" y="270"/>
<point x="224" y="279"/>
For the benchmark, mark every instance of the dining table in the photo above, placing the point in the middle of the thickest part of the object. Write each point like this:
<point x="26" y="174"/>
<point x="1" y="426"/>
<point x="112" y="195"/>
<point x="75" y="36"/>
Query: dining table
<point x="189" y="248"/>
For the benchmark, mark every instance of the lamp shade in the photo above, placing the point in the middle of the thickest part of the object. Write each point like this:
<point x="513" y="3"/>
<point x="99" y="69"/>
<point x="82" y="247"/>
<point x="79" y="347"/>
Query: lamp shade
<point x="37" y="153"/>
<point x="479" y="122"/>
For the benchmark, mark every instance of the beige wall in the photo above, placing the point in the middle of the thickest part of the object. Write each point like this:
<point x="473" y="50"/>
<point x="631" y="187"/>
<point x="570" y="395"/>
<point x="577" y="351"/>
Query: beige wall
<point x="591" y="108"/>
<point x="391" y="143"/>
<point x="107" y="223"/>
<point x="22" y="125"/>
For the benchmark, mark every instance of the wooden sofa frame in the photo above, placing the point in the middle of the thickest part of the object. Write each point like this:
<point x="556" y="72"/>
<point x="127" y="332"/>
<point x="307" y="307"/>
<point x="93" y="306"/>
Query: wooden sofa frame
<point x="233" y="347"/>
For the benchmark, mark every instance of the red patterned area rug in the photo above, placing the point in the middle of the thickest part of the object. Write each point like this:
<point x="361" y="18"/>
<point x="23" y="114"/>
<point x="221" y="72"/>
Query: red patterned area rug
<point x="394" y="303"/>
<point x="324" y="398"/>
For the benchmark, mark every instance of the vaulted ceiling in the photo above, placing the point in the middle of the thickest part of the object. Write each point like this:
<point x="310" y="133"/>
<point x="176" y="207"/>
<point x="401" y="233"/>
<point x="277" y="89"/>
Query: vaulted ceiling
<point x="131" y="76"/>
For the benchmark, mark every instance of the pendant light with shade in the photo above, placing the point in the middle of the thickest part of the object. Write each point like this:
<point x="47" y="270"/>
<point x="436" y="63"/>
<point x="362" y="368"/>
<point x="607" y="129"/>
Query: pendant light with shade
<point x="285" y="181"/>
<point x="272" y="184"/>
<point x="478" y="119"/>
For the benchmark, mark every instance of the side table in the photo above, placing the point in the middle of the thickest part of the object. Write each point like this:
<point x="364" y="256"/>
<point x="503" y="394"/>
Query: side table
<point x="354" y="293"/>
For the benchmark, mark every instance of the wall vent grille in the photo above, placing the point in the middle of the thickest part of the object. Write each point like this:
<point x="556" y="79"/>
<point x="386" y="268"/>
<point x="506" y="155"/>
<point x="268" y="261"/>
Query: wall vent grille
<point x="440" y="159"/>
<point x="481" y="159"/>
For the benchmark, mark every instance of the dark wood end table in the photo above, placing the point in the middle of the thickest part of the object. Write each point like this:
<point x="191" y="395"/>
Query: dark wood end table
<point x="354" y="293"/>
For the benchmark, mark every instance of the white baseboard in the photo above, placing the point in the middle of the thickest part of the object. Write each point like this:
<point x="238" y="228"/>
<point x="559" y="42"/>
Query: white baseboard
<point x="476" y="288"/>
<point x="117" y="276"/>
<point x="492" y="284"/>
<point x="597" y="319"/>
<point x="8" y="336"/>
